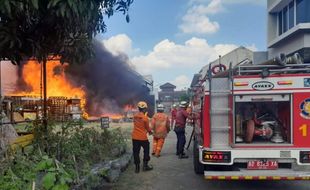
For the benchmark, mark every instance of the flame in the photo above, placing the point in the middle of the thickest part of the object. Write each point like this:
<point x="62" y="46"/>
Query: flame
<point x="129" y="108"/>
<point x="113" y="116"/>
<point x="57" y="83"/>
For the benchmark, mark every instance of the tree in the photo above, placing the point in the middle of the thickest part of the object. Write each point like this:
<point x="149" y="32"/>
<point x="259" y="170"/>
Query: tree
<point x="184" y="97"/>
<point x="63" y="28"/>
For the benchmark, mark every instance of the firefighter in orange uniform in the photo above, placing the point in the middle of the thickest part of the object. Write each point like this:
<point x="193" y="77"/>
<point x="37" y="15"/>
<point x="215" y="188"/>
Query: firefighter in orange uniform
<point x="139" y="138"/>
<point x="161" y="127"/>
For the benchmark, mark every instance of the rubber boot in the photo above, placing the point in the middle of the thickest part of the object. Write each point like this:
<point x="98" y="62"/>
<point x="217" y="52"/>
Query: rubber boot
<point x="183" y="156"/>
<point x="137" y="168"/>
<point x="147" y="167"/>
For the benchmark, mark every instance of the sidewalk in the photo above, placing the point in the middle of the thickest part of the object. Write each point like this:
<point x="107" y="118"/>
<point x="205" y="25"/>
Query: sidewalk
<point x="169" y="171"/>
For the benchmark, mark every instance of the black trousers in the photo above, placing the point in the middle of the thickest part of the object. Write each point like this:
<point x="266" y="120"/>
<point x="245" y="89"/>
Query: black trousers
<point x="136" y="146"/>
<point x="181" y="139"/>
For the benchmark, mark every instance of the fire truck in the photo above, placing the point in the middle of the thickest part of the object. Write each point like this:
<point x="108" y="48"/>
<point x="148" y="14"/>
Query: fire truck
<point x="253" y="121"/>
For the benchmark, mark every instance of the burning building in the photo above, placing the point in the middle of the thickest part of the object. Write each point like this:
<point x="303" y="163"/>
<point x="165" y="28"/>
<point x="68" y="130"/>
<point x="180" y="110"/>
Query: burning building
<point x="105" y="85"/>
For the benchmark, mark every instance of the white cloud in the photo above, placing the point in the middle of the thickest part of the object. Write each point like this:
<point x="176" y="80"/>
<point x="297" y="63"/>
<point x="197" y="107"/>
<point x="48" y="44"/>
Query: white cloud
<point x="196" y="19"/>
<point x="215" y="6"/>
<point x="255" y="2"/>
<point x="181" y="82"/>
<point x="118" y="44"/>
<point x="198" y="24"/>
<point x="167" y="54"/>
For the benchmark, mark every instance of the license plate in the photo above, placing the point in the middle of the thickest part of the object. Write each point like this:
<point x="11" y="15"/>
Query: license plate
<point x="262" y="165"/>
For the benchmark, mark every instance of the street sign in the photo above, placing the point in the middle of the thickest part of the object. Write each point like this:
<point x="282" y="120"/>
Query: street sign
<point x="105" y="122"/>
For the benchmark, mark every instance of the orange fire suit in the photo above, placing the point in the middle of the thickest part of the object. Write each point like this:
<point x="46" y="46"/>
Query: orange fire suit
<point x="141" y="127"/>
<point x="139" y="137"/>
<point x="161" y="127"/>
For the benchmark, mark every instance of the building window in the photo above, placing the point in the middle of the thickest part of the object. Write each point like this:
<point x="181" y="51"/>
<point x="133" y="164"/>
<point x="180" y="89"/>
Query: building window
<point x="280" y="22"/>
<point x="291" y="15"/>
<point x="302" y="11"/>
<point x="285" y="19"/>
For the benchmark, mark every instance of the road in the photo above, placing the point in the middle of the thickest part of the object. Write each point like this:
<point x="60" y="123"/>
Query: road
<point x="171" y="173"/>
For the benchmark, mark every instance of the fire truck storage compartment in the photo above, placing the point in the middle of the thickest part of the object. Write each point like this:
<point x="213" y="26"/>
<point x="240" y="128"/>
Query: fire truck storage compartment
<point x="262" y="119"/>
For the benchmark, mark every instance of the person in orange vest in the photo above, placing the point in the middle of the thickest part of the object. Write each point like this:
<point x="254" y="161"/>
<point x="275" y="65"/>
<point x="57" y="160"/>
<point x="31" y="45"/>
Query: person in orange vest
<point x="139" y="137"/>
<point x="161" y="127"/>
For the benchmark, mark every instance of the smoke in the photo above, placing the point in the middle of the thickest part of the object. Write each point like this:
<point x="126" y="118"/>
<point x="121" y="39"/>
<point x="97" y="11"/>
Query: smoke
<point x="109" y="82"/>
<point x="21" y="85"/>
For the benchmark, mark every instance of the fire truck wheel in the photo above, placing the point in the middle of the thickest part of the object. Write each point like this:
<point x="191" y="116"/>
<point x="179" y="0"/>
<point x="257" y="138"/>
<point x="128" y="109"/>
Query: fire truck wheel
<point x="198" y="167"/>
<point x="250" y="127"/>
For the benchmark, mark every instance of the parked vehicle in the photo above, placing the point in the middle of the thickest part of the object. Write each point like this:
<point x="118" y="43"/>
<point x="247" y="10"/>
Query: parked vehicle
<point x="253" y="122"/>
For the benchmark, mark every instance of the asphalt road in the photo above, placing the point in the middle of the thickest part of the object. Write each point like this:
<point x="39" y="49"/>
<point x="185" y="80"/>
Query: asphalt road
<point x="171" y="173"/>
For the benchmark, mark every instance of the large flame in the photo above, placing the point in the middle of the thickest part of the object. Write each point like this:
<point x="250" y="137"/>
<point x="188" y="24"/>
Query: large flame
<point x="57" y="83"/>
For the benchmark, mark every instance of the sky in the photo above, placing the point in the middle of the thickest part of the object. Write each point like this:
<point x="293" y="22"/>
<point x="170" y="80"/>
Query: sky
<point x="173" y="39"/>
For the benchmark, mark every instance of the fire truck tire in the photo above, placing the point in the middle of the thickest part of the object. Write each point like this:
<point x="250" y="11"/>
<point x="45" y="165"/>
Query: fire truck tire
<point x="250" y="127"/>
<point x="198" y="167"/>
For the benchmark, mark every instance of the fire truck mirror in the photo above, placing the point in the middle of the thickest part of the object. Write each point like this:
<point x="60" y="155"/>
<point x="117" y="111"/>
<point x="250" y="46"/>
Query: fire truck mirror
<point x="105" y="122"/>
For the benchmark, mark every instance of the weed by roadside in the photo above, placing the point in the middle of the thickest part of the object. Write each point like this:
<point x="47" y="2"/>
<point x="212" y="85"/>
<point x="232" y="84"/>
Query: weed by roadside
<point x="60" y="156"/>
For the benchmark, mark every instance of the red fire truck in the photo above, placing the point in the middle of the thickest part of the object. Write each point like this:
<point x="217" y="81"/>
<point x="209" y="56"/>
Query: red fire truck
<point x="253" y="122"/>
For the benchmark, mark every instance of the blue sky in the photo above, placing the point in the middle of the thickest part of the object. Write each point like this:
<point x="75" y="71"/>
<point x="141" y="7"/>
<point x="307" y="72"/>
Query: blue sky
<point x="173" y="39"/>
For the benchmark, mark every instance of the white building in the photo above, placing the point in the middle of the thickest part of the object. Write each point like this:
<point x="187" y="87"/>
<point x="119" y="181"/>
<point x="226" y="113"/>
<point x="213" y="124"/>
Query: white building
<point x="288" y="28"/>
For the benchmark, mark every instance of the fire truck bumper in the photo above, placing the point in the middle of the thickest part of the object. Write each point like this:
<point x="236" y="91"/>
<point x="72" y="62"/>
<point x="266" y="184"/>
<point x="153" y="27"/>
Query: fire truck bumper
<point x="281" y="174"/>
<point x="231" y="156"/>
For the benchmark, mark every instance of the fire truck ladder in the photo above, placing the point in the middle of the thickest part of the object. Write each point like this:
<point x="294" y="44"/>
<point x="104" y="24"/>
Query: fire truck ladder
<point x="219" y="92"/>
<point x="268" y="69"/>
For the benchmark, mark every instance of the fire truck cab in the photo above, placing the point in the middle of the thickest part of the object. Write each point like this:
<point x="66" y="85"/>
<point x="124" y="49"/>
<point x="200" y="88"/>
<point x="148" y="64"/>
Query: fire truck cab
<point x="253" y="122"/>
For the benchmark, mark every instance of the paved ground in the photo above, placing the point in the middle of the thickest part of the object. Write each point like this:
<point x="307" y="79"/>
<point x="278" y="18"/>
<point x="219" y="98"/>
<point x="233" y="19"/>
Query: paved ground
<point x="171" y="173"/>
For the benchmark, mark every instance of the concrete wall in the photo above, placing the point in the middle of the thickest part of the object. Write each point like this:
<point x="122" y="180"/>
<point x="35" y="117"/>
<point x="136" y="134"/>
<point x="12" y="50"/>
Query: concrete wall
<point x="235" y="57"/>
<point x="260" y="56"/>
<point x="8" y="77"/>
<point x="288" y="45"/>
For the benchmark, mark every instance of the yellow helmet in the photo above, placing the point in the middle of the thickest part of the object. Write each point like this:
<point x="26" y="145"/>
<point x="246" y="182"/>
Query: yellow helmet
<point x="142" y="105"/>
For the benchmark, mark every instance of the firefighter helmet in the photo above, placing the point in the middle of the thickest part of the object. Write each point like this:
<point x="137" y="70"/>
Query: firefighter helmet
<point x="183" y="104"/>
<point x="142" y="105"/>
<point x="160" y="107"/>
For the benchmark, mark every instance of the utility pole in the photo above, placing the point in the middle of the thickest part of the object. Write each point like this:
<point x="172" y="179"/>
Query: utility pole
<point x="44" y="96"/>
<point x="1" y="84"/>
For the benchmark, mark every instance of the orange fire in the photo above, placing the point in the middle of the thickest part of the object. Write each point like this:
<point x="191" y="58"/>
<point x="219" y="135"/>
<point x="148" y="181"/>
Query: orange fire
<point x="113" y="116"/>
<point x="129" y="108"/>
<point x="57" y="84"/>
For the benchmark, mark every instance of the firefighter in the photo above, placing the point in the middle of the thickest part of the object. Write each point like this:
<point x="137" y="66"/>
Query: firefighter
<point x="173" y="115"/>
<point x="179" y="129"/>
<point x="161" y="127"/>
<point x="139" y="138"/>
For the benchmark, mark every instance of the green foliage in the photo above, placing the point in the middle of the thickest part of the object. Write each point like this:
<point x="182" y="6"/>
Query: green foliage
<point x="55" y="177"/>
<point x="184" y="97"/>
<point x="65" y="28"/>
<point x="61" y="157"/>
<point x="18" y="172"/>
